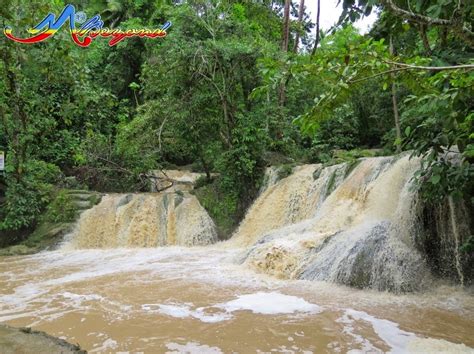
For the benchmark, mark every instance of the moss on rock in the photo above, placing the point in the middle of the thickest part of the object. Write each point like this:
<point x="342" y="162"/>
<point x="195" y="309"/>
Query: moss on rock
<point x="58" y="220"/>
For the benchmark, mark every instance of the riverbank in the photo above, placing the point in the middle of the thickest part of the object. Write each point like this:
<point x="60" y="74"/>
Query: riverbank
<point x="25" y="340"/>
<point x="58" y="220"/>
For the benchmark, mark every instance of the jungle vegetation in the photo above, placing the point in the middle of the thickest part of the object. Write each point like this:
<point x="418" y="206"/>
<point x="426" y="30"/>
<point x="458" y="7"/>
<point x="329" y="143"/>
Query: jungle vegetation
<point x="235" y="86"/>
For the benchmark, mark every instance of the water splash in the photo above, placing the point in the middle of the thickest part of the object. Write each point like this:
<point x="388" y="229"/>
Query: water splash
<point x="352" y="225"/>
<point x="359" y="224"/>
<point x="454" y="225"/>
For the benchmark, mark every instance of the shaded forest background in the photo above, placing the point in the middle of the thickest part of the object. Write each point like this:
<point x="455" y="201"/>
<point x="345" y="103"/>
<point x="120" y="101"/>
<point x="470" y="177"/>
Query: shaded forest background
<point x="234" y="87"/>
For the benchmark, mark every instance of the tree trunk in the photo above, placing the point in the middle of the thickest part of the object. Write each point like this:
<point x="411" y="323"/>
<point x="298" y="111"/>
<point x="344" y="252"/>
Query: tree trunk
<point x="424" y="39"/>
<point x="227" y="121"/>
<point x="284" y="48"/>
<point x="286" y="26"/>
<point x="443" y="37"/>
<point x="19" y="115"/>
<point x="395" y="103"/>
<point x="316" y="43"/>
<point x="300" y="25"/>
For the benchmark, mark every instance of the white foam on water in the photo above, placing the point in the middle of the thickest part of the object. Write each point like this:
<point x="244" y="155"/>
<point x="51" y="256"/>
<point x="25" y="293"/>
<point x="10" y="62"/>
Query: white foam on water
<point x="44" y="291"/>
<point x="284" y="349"/>
<point x="192" y="348"/>
<point x="106" y="346"/>
<point x="215" y="265"/>
<point x="80" y="298"/>
<point x="270" y="303"/>
<point x="398" y="340"/>
<point x="185" y="311"/>
<point x="265" y="303"/>
<point x="178" y="311"/>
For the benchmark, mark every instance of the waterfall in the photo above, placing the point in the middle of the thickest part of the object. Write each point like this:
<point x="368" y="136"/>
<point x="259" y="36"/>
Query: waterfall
<point x="144" y="220"/>
<point x="360" y="224"/>
<point x="452" y="218"/>
<point x="287" y="201"/>
<point x="356" y="224"/>
<point x="271" y="177"/>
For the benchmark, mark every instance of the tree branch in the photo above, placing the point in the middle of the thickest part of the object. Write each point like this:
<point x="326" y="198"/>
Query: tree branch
<point x="404" y="67"/>
<point x="416" y="17"/>
<point x="455" y="22"/>
<point x="432" y="68"/>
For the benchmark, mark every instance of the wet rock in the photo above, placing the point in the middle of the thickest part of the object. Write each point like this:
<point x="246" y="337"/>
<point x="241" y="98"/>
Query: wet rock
<point x="25" y="340"/>
<point x="365" y="258"/>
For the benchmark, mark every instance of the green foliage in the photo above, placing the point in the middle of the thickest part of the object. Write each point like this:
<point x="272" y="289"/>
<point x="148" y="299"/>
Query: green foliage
<point x="322" y="154"/>
<point x="341" y="59"/>
<point x="210" y="95"/>
<point x="25" y="199"/>
<point x="340" y="131"/>
<point x="201" y="182"/>
<point x="354" y="108"/>
<point x="285" y="170"/>
<point x="95" y="199"/>
<point x="221" y="205"/>
<point x="109" y="166"/>
<point x="61" y="209"/>
<point x="439" y="124"/>
<point x="468" y="246"/>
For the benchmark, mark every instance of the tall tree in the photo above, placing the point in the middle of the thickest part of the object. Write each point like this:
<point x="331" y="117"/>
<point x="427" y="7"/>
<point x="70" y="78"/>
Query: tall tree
<point x="300" y="25"/>
<point x="284" y="48"/>
<point x="286" y="26"/>
<point x="318" y="13"/>
<point x="395" y="102"/>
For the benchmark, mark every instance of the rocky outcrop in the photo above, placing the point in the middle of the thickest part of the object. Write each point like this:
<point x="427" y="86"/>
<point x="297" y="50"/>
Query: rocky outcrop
<point x="25" y="340"/>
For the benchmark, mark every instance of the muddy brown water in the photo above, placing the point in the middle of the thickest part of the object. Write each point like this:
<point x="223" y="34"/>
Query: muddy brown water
<point x="200" y="300"/>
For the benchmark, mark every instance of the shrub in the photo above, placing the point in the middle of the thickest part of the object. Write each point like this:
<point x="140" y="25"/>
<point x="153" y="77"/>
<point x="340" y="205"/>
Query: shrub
<point x="26" y="198"/>
<point x="61" y="209"/>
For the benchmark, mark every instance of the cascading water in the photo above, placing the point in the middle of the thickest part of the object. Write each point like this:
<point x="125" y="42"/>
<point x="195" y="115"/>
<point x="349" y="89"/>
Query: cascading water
<point x="445" y="227"/>
<point x="456" y="236"/>
<point x="353" y="224"/>
<point x="143" y="220"/>
<point x="358" y="224"/>
<point x="112" y="289"/>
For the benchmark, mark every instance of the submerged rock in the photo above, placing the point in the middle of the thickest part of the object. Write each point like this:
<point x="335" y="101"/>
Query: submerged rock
<point x="368" y="258"/>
